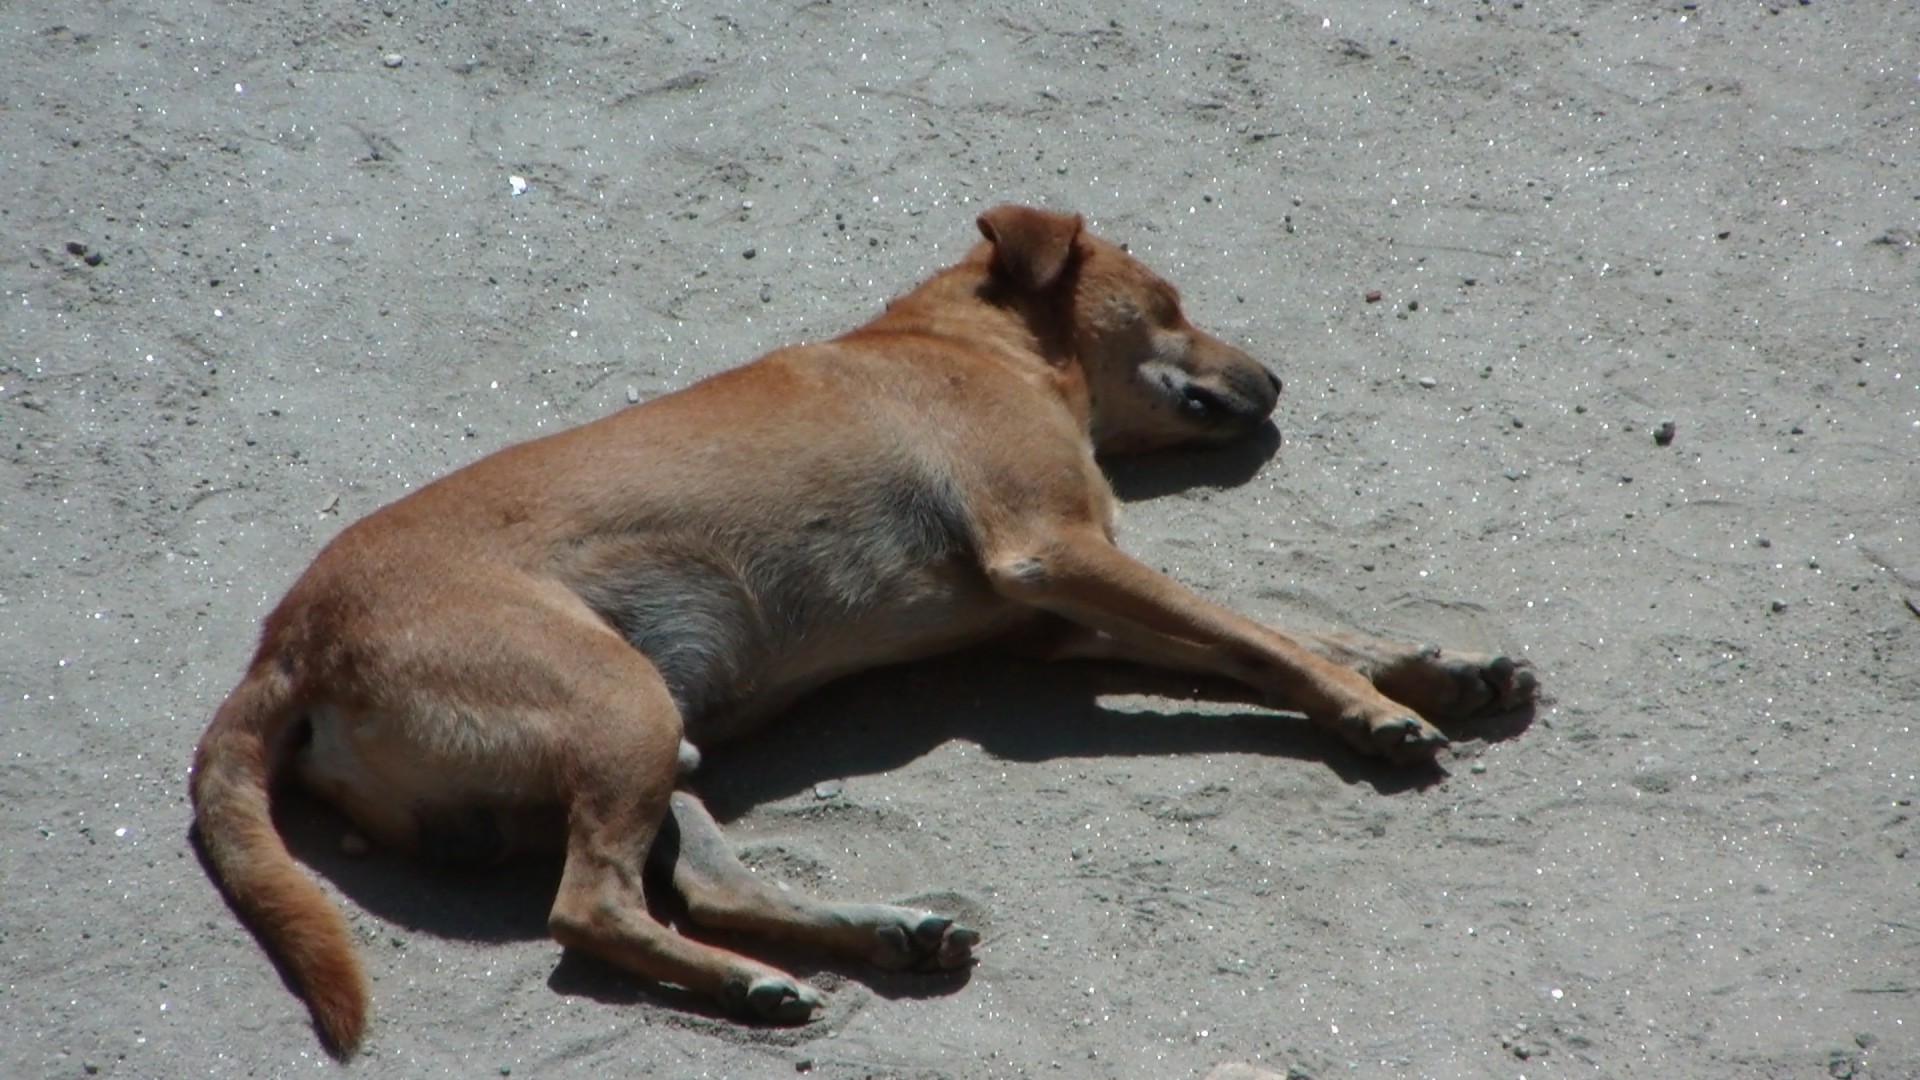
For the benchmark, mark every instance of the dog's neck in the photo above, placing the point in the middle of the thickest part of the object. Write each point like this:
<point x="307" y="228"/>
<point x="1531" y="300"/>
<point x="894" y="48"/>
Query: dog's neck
<point x="966" y="301"/>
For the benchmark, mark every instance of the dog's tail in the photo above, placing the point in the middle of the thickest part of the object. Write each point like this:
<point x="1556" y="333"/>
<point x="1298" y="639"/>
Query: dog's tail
<point x="293" y="918"/>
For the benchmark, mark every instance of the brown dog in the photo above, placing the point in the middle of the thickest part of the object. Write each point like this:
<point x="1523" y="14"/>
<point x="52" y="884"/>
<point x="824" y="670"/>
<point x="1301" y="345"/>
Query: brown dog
<point x="526" y="653"/>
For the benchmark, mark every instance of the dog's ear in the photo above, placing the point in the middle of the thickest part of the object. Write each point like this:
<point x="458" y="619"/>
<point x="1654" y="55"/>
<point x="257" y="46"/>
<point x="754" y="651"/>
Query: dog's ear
<point x="1031" y="248"/>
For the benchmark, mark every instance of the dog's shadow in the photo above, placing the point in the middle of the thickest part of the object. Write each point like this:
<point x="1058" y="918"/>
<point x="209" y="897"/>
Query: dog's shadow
<point x="1021" y="710"/>
<point x="1014" y="708"/>
<point x="1150" y="476"/>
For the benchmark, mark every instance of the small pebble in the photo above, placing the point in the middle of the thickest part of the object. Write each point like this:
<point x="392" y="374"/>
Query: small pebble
<point x="750" y="253"/>
<point x="1813" y="562"/>
<point x="1428" y="382"/>
<point x="827" y="789"/>
<point x="766" y="294"/>
<point x="393" y="59"/>
<point x="633" y="395"/>
<point x="1762" y="541"/>
<point x="1413" y="305"/>
<point x="1373" y="296"/>
<point x="76" y="248"/>
<point x="1663" y="435"/>
<point x="1779" y="606"/>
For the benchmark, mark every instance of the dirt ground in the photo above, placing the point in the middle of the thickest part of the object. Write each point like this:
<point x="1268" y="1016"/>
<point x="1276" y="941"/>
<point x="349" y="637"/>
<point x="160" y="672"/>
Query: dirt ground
<point x="265" y="267"/>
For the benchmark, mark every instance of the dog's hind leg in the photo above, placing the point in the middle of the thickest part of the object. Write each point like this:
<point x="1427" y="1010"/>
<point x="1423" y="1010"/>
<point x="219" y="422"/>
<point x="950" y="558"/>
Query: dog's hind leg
<point x="620" y="764"/>
<point x="723" y="894"/>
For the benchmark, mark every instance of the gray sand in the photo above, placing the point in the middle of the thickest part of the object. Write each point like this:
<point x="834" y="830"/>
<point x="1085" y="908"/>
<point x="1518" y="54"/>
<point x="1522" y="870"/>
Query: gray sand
<point x="263" y="269"/>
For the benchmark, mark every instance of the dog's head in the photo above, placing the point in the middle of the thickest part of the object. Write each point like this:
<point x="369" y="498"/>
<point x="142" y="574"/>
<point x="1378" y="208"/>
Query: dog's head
<point x="1156" y="380"/>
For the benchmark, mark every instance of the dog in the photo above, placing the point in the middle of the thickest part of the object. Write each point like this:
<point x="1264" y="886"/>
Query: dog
<point x="527" y="653"/>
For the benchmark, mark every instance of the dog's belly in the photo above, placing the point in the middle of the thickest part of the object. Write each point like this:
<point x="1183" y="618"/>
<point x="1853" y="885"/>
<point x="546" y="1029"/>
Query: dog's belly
<point x="735" y="648"/>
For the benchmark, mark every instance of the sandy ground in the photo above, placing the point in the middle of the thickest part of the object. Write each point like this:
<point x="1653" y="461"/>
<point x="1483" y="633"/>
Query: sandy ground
<point x="263" y="268"/>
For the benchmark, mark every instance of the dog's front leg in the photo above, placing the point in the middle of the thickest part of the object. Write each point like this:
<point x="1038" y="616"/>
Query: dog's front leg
<point x="1443" y="685"/>
<point x="1080" y="575"/>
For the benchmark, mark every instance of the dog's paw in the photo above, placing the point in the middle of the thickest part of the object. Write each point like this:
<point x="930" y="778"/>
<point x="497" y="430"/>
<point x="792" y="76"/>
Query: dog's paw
<point x="1407" y="739"/>
<point x="1458" y="686"/>
<point x="1399" y="736"/>
<point x="923" y="942"/>
<point x="774" y="998"/>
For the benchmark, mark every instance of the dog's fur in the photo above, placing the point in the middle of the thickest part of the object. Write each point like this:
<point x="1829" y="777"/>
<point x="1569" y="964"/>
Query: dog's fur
<point x="527" y="652"/>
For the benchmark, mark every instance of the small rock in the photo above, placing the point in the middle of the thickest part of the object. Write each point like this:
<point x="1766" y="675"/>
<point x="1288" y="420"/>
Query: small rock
<point x="1428" y="382"/>
<point x="766" y="294"/>
<point x="1373" y="296"/>
<point x="1413" y="305"/>
<point x="1813" y="562"/>
<point x="1779" y="606"/>
<point x="750" y="253"/>
<point x="827" y="789"/>
<point x="94" y="258"/>
<point x="1663" y="435"/>
<point x="1762" y="541"/>
<point x="633" y="395"/>
<point x="76" y="248"/>
<point x="393" y="59"/>
<point x="1237" y="1070"/>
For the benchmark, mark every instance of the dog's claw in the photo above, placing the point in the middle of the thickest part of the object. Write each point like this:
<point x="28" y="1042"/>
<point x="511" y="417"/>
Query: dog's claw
<point x="934" y="943"/>
<point x="1408" y="739"/>
<point x="780" y="1000"/>
<point x="1403" y="738"/>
